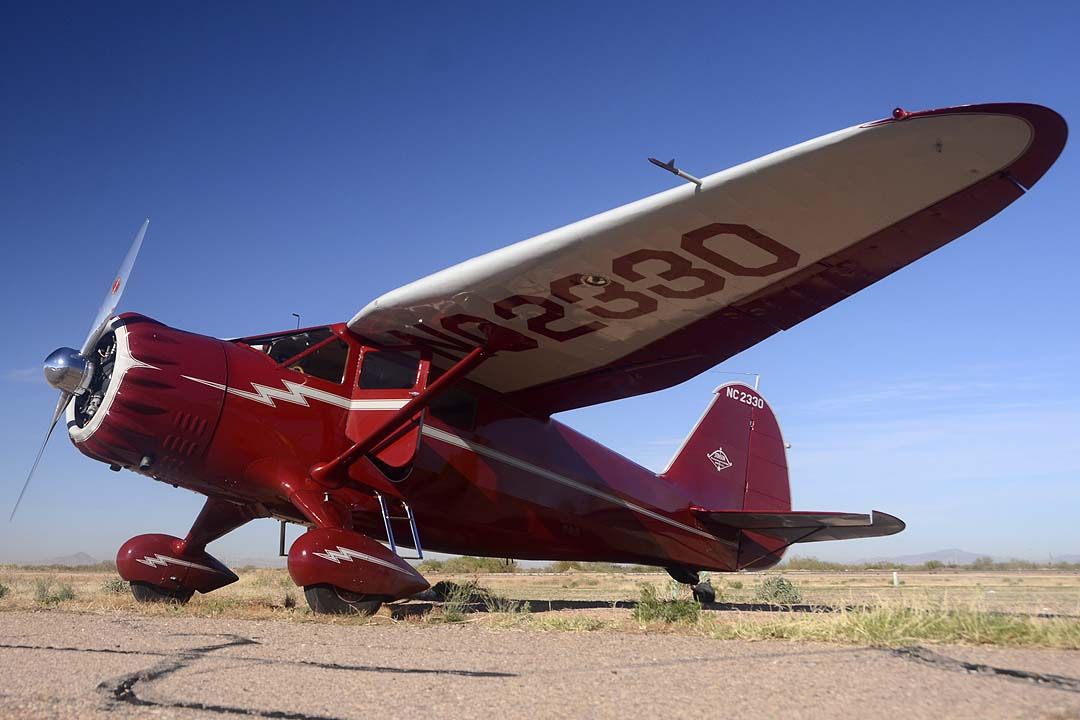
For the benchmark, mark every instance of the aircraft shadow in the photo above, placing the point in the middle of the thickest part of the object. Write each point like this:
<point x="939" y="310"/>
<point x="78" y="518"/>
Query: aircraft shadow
<point x="479" y="604"/>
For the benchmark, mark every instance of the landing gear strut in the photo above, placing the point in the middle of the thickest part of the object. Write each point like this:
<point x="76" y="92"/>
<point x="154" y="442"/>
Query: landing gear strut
<point x="703" y="592"/>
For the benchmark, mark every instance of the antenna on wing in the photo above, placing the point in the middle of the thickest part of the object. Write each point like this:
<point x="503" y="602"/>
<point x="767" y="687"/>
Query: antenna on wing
<point x="670" y="167"/>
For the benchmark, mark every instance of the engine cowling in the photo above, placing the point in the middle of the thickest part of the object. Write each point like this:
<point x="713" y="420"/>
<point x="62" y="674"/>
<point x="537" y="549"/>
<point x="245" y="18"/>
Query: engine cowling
<point x="140" y="411"/>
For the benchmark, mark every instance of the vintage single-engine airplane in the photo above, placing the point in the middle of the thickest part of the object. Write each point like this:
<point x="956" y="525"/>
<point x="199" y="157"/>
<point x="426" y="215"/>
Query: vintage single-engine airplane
<point x="428" y="414"/>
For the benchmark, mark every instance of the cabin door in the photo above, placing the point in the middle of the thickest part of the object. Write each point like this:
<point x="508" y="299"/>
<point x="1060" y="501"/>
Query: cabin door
<point x="386" y="380"/>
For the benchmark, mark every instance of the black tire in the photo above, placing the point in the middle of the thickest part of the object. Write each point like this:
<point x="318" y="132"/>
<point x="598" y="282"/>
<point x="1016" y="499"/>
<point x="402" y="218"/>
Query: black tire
<point x="332" y="600"/>
<point x="147" y="593"/>
<point x="704" y="593"/>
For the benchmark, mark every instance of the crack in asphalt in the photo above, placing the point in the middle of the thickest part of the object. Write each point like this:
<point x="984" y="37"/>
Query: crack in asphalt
<point x="266" y="661"/>
<point x="402" y="671"/>
<point x="64" y="648"/>
<point x="929" y="657"/>
<point x="233" y="710"/>
<point x="123" y="689"/>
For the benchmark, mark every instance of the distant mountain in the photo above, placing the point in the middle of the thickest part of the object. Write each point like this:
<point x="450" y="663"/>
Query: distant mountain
<point x="951" y="556"/>
<point x="1067" y="558"/>
<point x="77" y="560"/>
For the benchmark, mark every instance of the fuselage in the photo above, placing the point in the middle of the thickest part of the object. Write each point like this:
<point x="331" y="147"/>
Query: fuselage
<point x="237" y="420"/>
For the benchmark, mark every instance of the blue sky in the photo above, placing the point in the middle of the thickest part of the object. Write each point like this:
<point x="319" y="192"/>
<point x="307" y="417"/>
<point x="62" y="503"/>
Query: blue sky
<point x="309" y="157"/>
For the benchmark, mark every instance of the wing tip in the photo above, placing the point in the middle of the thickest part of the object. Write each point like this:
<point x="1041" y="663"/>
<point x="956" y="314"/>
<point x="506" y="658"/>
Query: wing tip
<point x="1048" y="126"/>
<point x="889" y="524"/>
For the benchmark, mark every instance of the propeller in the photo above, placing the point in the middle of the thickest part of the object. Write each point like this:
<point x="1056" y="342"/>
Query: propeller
<point x="70" y="371"/>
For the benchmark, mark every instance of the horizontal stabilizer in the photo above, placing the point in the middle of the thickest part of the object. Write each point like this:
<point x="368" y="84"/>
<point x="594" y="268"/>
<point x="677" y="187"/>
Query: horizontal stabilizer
<point x="800" y="527"/>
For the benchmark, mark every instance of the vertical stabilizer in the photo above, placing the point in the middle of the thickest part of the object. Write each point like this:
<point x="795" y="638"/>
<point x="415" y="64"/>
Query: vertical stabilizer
<point x="734" y="460"/>
<point x="734" y="457"/>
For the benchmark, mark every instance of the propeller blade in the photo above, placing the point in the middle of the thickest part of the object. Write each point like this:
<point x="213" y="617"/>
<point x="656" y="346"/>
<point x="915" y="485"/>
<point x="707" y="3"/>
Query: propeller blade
<point x="61" y="406"/>
<point x="112" y="298"/>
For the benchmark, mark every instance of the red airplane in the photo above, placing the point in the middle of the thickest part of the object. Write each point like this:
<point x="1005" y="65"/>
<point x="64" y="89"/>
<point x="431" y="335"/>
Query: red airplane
<point x="426" y="419"/>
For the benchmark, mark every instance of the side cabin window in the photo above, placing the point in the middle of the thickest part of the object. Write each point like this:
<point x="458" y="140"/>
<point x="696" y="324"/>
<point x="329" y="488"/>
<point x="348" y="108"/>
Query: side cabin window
<point x="389" y="370"/>
<point x="455" y="406"/>
<point x="318" y="352"/>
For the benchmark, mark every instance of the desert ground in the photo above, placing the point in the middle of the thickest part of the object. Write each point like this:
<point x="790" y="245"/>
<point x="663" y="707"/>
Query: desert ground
<point x="948" y="643"/>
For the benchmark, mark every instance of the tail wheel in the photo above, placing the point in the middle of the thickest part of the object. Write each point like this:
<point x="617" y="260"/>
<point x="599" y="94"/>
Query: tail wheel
<point x="147" y="593"/>
<point x="704" y="593"/>
<point x="336" y="601"/>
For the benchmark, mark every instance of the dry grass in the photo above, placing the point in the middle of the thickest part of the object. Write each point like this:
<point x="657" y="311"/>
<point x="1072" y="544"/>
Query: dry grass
<point x="897" y="624"/>
<point x="651" y="608"/>
<point x="548" y="622"/>
<point x="998" y="608"/>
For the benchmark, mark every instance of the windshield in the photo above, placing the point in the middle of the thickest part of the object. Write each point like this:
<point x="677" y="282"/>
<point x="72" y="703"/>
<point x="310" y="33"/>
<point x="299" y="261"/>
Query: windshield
<point x="317" y="352"/>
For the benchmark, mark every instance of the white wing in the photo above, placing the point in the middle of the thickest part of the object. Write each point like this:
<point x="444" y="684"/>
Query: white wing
<point x="652" y="293"/>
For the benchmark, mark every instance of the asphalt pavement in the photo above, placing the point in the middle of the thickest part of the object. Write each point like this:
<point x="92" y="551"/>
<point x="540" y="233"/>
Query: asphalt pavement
<point x="56" y="664"/>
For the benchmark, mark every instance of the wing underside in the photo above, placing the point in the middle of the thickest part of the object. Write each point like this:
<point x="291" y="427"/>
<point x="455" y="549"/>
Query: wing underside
<point x="651" y="294"/>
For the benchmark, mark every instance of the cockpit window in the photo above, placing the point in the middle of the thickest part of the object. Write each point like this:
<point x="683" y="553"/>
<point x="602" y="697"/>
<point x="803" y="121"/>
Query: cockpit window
<point x="327" y="362"/>
<point x="283" y="347"/>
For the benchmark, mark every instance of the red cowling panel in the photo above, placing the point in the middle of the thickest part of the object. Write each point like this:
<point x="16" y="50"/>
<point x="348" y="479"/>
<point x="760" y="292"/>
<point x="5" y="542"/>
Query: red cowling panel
<point x="353" y="562"/>
<point x="701" y="345"/>
<point x="158" y="560"/>
<point x="157" y="413"/>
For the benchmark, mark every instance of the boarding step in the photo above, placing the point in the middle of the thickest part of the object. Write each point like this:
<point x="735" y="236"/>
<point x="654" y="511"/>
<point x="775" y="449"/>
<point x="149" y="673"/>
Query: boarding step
<point x="388" y="524"/>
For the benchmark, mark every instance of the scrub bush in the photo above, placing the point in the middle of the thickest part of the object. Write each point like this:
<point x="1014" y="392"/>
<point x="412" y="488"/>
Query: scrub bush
<point x="778" y="590"/>
<point x="651" y="608"/>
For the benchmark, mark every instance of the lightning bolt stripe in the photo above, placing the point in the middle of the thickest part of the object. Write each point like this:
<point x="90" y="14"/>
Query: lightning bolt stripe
<point x="160" y="560"/>
<point x="347" y="554"/>
<point x="297" y="394"/>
